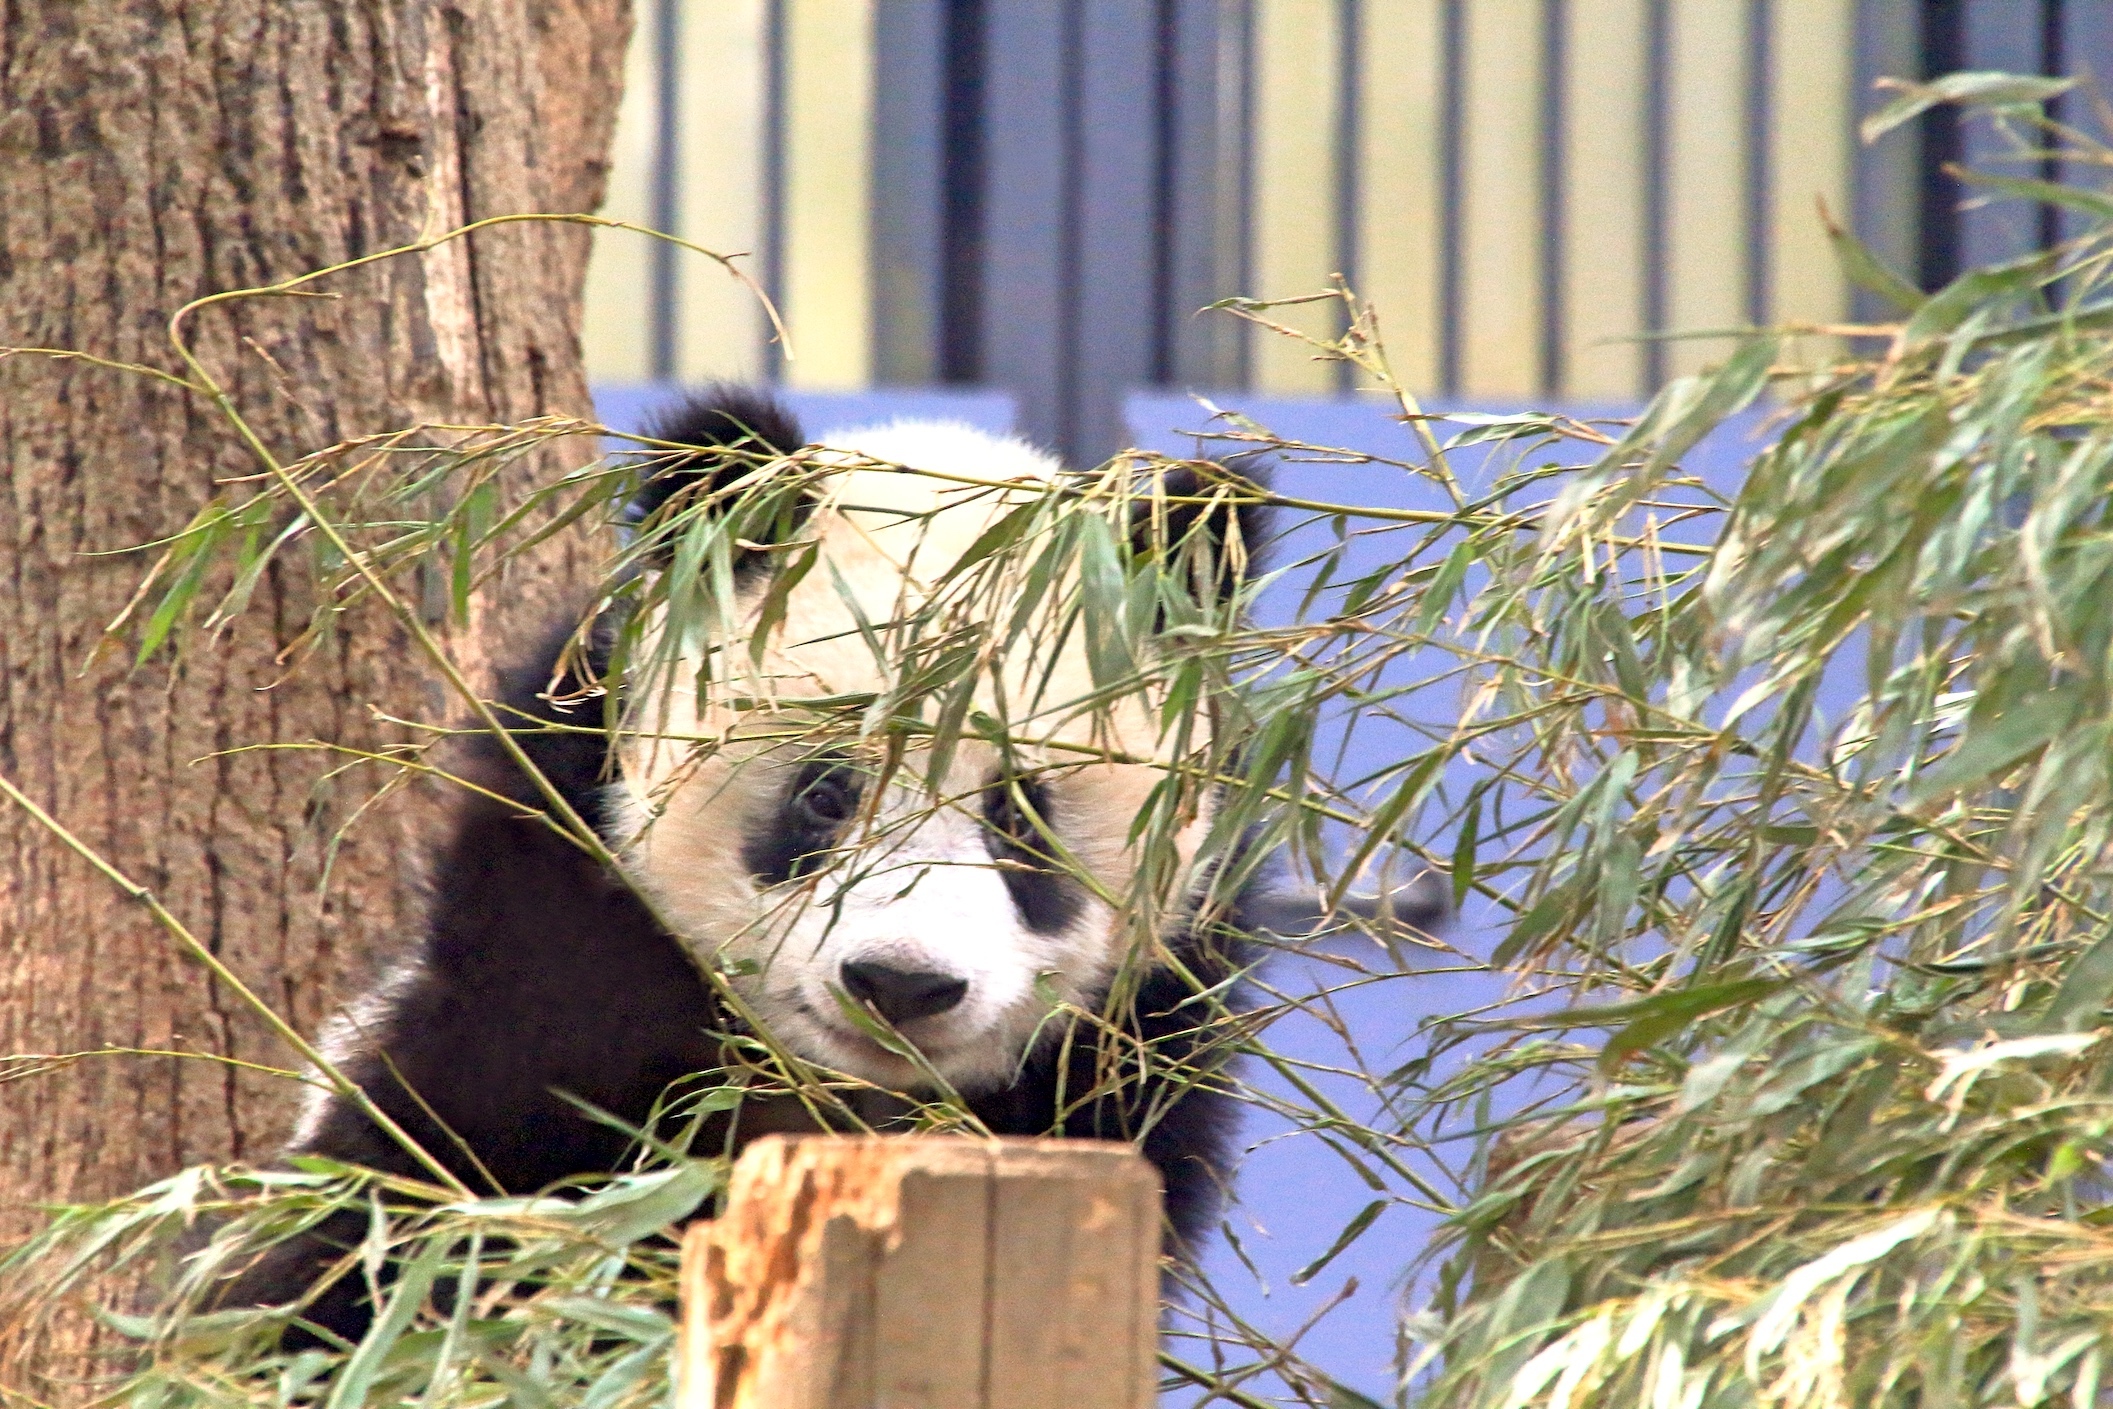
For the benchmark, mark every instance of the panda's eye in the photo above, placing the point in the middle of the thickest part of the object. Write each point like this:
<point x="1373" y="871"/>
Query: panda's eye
<point x="797" y="834"/>
<point x="829" y="797"/>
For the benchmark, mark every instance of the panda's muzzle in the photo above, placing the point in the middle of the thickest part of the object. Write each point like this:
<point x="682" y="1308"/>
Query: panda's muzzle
<point x="903" y="995"/>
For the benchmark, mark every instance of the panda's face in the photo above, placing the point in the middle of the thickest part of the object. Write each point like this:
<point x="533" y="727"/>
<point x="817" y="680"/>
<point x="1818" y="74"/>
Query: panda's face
<point x="961" y="911"/>
<point x="958" y="912"/>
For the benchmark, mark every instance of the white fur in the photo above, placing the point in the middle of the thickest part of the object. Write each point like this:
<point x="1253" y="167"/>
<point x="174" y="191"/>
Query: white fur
<point x="914" y="883"/>
<point x="362" y="1027"/>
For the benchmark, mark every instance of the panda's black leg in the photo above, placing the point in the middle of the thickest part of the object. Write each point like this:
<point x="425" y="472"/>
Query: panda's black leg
<point x="540" y="975"/>
<point x="286" y="1272"/>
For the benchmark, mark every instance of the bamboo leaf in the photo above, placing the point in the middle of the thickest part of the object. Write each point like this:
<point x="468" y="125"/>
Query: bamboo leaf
<point x="1351" y="1232"/>
<point x="1981" y="89"/>
<point x="1996" y="745"/>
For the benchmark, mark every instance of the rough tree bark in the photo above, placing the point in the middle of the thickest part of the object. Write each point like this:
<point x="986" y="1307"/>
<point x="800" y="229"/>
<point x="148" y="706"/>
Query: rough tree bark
<point x="152" y="151"/>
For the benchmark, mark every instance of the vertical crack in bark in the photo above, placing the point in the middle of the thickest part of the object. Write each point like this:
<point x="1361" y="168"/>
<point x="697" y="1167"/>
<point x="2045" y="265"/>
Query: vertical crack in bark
<point x="449" y="278"/>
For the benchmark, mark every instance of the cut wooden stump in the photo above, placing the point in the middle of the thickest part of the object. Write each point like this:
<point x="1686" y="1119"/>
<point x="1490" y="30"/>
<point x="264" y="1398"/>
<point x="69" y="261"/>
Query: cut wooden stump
<point x="908" y="1272"/>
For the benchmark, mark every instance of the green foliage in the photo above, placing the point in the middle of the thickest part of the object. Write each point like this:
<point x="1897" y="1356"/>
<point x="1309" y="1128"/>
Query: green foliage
<point x="570" y="1308"/>
<point x="1792" y="809"/>
<point x="1839" y="1134"/>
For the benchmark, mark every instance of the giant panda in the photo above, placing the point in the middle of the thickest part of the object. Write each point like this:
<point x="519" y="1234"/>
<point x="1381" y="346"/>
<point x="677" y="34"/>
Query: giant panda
<point x="545" y="988"/>
<point x="835" y="898"/>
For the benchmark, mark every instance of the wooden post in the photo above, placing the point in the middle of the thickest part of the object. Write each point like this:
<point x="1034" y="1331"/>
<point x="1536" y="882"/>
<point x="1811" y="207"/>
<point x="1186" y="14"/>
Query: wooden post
<point x="912" y="1272"/>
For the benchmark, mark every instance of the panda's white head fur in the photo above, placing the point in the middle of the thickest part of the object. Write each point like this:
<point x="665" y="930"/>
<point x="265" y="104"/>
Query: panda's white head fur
<point x="835" y="882"/>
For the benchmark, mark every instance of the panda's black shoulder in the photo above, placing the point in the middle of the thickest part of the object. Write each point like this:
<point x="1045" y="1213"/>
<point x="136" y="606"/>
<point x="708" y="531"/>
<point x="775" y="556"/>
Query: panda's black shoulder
<point x="1190" y="1136"/>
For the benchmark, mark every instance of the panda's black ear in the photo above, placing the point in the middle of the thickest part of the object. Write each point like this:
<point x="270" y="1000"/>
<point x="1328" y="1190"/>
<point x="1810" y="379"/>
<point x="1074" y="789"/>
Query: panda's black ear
<point x="732" y="427"/>
<point x="1213" y="506"/>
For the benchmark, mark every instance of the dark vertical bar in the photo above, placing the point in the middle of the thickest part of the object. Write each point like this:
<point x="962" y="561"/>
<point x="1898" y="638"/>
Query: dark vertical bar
<point x="1555" y="316"/>
<point x="909" y="154"/>
<point x="1760" y="165"/>
<point x="1115" y="303"/>
<point x="661" y="269"/>
<point x="1657" y="118"/>
<point x="2054" y="62"/>
<point x="1939" y="246"/>
<point x="1021" y="327"/>
<point x="1451" y="188"/>
<point x="771" y="274"/>
<point x="1070" y="220"/>
<point x="1166" y="176"/>
<point x="2005" y="35"/>
<point x="961" y="256"/>
<point x="2086" y="53"/>
<point x="1202" y="201"/>
<point x="1887" y="185"/>
<point x="1349" y="123"/>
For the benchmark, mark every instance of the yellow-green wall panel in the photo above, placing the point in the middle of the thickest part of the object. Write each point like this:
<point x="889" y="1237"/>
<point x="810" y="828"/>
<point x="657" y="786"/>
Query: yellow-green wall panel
<point x="719" y="325"/>
<point x="1401" y="90"/>
<point x="1501" y="304"/>
<point x="1810" y="159"/>
<point x="615" y="330"/>
<point x="1707" y="159"/>
<point x="1298" y="47"/>
<point x="827" y="278"/>
<point x="1605" y="282"/>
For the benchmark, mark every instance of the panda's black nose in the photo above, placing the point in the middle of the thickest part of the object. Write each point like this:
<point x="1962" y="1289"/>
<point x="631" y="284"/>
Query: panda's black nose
<point x="902" y="994"/>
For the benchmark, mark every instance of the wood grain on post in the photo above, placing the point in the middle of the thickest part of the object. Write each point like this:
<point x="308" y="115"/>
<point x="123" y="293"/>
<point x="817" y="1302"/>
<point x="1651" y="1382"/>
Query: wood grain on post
<point x="925" y="1273"/>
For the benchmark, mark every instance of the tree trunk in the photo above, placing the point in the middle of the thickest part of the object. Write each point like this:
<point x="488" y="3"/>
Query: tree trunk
<point x="152" y="152"/>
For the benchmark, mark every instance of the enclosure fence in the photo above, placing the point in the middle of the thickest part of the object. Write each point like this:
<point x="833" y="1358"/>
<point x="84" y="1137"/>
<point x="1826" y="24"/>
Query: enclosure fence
<point x="1039" y="194"/>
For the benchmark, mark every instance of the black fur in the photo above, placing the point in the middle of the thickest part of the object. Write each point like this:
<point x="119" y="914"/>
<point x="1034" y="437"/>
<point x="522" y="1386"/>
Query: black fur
<point x="1047" y="898"/>
<point x="786" y="844"/>
<point x="1208" y="506"/>
<point x="539" y="972"/>
<point x="746" y="427"/>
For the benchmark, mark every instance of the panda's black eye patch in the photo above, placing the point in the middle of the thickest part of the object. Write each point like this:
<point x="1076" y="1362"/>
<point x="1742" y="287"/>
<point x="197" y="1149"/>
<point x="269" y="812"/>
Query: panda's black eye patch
<point x="818" y="801"/>
<point x="1019" y="822"/>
